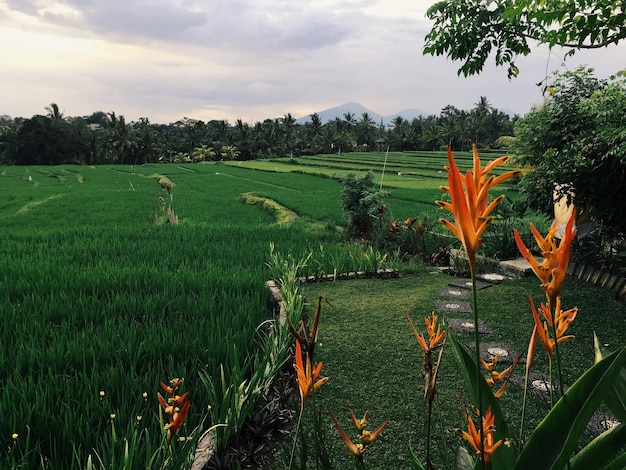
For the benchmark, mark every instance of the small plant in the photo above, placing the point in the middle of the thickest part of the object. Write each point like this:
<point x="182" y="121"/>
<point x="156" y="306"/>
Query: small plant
<point x="362" y="204"/>
<point x="164" y="212"/>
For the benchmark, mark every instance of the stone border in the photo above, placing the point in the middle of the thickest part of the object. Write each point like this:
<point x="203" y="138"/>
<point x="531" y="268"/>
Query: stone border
<point x="347" y="276"/>
<point x="599" y="278"/>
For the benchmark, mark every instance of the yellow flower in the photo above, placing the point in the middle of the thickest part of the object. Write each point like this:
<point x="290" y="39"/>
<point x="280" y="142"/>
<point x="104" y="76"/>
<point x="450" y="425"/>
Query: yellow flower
<point x="307" y="379"/>
<point x="112" y="416"/>
<point x="551" y="272"/>
<point x="14" y="436"/>
<point x="469" y="205"/>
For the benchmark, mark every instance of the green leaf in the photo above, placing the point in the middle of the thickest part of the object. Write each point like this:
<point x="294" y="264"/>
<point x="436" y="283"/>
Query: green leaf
<point x="417" y="465"/>
<point x="616" y="392"/>
<point x="555" y="438"/>
<point x="504" y="457"/>
<point x="599" y="452"/>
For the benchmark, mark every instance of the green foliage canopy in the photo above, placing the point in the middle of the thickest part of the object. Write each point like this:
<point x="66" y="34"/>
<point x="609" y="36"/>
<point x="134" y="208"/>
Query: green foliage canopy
<point x="578" y="139"/>
<point x="470" y="30"/>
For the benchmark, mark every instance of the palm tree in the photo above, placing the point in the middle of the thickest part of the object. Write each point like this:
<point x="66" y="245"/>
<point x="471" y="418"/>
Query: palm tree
<point x="366" y="131"/>
<point x="350" y="120"/>
<point x="121" y="138"/>
<point x="53" y="112"/>
<point x="481" y="113"/>
<point x="288" y="122"/>
<point x="229" y="152"/>
<point x="148" y="142"/>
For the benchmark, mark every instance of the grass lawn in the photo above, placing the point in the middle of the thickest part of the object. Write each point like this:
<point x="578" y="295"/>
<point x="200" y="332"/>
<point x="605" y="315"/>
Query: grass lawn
<point x="374" y="362"/>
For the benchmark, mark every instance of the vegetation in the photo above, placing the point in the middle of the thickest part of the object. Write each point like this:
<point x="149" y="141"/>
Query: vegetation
<point x="102" y="299"/>
<point x="575" y="146"/>
<point x="470" y="30"/>
<point x="101" y="293"/>
<point x="106" y="138"/>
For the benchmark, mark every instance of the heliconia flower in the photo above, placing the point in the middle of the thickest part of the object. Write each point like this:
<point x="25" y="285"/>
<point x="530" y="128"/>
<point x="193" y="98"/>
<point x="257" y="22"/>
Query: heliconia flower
<point x="435" y="337"/>
<point x="171" y="407"/>
<point x="368" y="437"/>
<point x="562" y="321"/>
<point x="307" y="379"/>
<point x="469" y="203"/>
<point x="359" y="424"/>
<point x="551" y="272"/>
<point x="530" y="356"/>
<point x="358" y="450"/>
<point x="306" y="337"/>
<point x="472" y="435"/>
<point x="496" y="377"/>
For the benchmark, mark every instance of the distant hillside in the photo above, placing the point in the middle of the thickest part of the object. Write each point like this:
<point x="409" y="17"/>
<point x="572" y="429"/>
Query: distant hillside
<point x="358" y="110"/>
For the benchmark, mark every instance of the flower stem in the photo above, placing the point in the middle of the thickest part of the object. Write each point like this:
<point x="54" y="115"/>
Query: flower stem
<point x="295" y="439"/>
<point x="478" y="375"/>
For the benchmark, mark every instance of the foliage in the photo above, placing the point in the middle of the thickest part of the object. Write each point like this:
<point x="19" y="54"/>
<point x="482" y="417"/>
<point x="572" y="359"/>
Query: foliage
<point x="101" y="138"/>
<point x="362" y="203"/>
<point x="470" y="30"/>
<point x="576" y="140"/>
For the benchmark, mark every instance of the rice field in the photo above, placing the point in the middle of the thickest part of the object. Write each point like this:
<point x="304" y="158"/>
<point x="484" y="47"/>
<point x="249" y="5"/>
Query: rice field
<point x="100" y="301"/>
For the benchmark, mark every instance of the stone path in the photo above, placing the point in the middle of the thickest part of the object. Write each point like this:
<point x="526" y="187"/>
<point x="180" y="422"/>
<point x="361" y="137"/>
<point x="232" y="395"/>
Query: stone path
<point x="455" y="303"/>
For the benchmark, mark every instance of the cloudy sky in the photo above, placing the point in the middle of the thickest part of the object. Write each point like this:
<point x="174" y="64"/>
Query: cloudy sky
<point x="247" y="59"/>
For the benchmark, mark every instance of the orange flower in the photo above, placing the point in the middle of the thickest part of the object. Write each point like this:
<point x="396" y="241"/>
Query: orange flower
<point x="551" y="272"/>
<point x="366" y="437"/>
<point x="562" y="321"/>
<point x="435" y="338"/>
<point x="359" y="424"/>
<point x="469" y="205"/>
<point x="307" y="380"/>
<point x="171" y="407"/>
<point x="496" y="377"/>
<point x="473" y="436"/>
<point x="358" y="450"/>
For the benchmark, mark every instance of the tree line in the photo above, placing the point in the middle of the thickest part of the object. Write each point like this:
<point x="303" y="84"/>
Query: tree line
<point x="53" y="138"/>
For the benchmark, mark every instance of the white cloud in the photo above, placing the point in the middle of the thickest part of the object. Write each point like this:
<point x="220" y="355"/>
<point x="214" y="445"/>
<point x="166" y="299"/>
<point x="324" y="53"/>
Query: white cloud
<point x="243" y="59"/>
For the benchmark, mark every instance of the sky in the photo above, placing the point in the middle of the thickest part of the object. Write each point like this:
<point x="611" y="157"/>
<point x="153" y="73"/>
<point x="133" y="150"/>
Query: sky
<point x="247" y="59"/>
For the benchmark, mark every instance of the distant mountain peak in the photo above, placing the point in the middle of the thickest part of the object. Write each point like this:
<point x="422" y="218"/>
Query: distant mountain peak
<point x="357" y="109"/>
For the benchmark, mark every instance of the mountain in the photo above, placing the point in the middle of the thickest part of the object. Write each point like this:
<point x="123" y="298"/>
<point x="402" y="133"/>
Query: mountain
<point x="358" y="109"/>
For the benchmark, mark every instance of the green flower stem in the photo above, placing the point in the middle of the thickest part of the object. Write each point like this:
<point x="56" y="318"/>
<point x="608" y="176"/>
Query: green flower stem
<point x="556" y="348"/>
<point x="478" y="375"/>
<point x="295" y="439"/>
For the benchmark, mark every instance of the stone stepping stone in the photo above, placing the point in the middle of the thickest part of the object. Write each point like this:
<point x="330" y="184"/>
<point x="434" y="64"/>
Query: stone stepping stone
<point x="538" y="384"/>
<point x="493" y="278"/>
<point x="467" y="326"/>
<point x="467" y="284"/>
<point x="456" y="306"/>
<point x="454" y="292"/>
<point x="602" y="421"/>
<point x="506" y="354"/>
